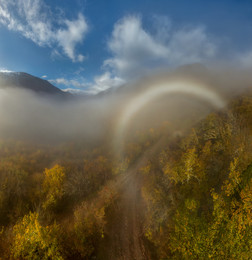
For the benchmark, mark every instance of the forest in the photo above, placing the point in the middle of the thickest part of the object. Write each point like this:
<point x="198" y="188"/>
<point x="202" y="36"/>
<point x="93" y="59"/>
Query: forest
<point x="187" y="196"/>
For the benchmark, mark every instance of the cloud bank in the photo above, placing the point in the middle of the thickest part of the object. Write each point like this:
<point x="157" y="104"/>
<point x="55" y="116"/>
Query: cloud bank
<point x="26" y="115"/>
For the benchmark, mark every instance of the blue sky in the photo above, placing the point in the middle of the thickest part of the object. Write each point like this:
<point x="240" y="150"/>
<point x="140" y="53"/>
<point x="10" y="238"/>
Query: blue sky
<point x="96" y="44"/>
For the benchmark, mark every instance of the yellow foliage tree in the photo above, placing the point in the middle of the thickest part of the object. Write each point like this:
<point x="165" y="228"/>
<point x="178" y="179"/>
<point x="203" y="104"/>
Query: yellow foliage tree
<point x="53" y="186"/>
<point x="33" y="241"/>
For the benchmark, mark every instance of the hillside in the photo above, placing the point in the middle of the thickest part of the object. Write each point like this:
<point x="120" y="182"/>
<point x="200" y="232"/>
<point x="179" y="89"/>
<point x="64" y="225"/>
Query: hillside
<point x="184" y="196"/>
<point x="22" y="80"/>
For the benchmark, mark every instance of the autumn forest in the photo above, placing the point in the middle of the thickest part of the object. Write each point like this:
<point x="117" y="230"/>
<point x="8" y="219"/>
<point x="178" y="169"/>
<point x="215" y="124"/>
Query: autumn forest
<point x="186" y="196"/>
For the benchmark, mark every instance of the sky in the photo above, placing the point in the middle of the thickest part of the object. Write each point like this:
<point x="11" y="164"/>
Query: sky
<point x="92" y="45"/>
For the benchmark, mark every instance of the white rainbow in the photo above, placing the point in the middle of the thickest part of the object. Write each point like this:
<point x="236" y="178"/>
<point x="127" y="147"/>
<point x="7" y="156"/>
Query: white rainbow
<point x="140" y="101"/>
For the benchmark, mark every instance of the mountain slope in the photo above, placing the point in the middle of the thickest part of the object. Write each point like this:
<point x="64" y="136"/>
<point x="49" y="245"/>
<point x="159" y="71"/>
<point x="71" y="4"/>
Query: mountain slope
<point x="24" y="80"/>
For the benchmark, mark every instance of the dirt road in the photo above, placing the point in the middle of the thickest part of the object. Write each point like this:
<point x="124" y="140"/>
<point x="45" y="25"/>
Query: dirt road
<point x="124" y="231"/>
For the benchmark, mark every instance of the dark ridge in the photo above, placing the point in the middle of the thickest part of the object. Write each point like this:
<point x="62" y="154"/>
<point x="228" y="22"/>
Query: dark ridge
<point x="24" y="80"/>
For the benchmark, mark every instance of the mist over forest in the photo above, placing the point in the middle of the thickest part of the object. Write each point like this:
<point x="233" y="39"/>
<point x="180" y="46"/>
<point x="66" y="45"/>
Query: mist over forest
<point x="125" y="130"/>
<point x="161" y="160"/>
<point x="27" y="114"/>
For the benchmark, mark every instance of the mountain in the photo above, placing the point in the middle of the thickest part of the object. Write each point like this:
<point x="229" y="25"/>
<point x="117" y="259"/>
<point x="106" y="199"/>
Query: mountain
<point x="24" y="80"/>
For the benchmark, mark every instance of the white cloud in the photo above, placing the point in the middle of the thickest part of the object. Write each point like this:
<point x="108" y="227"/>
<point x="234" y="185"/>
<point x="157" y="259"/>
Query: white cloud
<point x="75" y="91"/>
<point x="35" y="21"/>
<point x="80" y="85"/>
<point x="71" y="35"/>
<point x="135" y="50"/>
<point x="6" y="71"/>
<point x="44" y="76"/>
<point x="77" y="83"/>
<point x="104" y="82"/>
